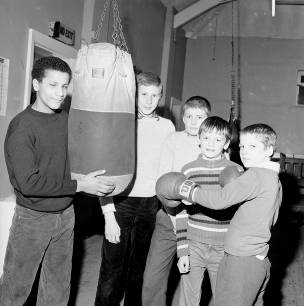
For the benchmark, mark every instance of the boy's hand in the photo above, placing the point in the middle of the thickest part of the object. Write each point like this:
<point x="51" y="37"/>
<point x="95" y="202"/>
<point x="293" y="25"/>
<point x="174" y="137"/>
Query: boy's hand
<point x="184" y="264"/>
<point x="112" y="229"/>
<point x="94" y="183"/>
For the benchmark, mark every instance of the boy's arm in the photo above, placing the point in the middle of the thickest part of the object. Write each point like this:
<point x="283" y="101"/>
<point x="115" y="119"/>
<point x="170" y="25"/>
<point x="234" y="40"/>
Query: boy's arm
<point x="174" y="186"/>
<point x="112" y="229"/>
<point x="28" y="179"/>
<point x="166" y="157"/>
<point x="243" y="188"/>
<point x="181" y="233"/>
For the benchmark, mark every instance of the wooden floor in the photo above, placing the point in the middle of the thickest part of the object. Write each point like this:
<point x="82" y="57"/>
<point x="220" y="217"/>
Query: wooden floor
<point x="286" y="286"/>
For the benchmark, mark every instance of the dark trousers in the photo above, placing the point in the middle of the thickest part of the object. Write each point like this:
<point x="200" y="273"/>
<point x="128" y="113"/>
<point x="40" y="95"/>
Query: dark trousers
<point x="159" y="262"/>
<point x="123" y="264"/>
<point x="241" y="281"/>
<point x="37" y="237"/>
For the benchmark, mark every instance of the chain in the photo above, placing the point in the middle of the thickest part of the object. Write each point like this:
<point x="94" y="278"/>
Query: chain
<point x="118" y="36"/>
<point x="239" y="92"/>
<point x="233" y="77"/>
<point x="215" y="33"/>
<point x="101" y="19"/>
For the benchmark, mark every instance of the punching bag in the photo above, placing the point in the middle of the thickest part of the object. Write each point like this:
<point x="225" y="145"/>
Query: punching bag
<point x="102" y="114"/>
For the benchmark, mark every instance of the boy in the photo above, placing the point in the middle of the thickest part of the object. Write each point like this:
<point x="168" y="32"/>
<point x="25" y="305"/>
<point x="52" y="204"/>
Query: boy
<point x="36" y="154"/>
<point x="244" y="271"/>
<point x="128" y="232"/>
<point x="178" y="149"/>
<point x="201" y="231"/>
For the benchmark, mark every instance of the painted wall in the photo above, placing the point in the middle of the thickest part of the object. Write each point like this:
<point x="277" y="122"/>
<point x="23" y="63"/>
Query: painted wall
<point x="143" y="28"/>
<point x="268" y="82"/>
<point x="16" y="17"/>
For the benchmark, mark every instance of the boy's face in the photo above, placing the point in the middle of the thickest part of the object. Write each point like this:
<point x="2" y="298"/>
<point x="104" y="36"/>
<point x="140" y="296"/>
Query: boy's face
<point x="253" y="151"/>
<point x="148" y="98"/>
<point x="51" y="91"/>
<point x="213" y="144"/>
<point x="193" y="118"/>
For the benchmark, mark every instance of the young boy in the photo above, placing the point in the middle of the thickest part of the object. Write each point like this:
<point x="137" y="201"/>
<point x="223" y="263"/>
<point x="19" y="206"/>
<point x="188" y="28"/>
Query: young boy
<point x="178" y="149"/>
<point x="36" y="154"/>
<point x="201" y="231"/>
<point x="128" y="231"/>
<point x="244" y="271"/>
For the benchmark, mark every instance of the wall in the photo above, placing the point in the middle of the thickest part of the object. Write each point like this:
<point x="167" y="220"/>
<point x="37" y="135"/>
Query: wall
<point x="16" y="17"/>
<point x="143" y="27"/>
<point x="268" y="82"/>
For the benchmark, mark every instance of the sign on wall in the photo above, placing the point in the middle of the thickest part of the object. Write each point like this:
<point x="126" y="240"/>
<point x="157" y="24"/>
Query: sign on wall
<point x="61" y="32"/>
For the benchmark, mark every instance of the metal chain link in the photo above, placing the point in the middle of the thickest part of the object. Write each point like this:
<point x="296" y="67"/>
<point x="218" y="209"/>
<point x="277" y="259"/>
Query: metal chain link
<point x="101" y="19"/>
<point x="117" y="36"/>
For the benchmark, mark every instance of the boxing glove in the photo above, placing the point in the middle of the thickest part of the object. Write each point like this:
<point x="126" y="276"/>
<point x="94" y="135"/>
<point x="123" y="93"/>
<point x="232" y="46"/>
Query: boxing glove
<point x="228" y="175"/>
<point x="174" y="186"/>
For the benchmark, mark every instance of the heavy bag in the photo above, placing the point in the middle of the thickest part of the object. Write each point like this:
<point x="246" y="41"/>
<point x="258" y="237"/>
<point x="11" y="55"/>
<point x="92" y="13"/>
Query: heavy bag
<point x="102" y="114"/>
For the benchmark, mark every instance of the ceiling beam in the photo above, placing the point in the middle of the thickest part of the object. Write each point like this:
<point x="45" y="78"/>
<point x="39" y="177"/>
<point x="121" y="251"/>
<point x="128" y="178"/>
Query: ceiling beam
<point x="289" y="2"/>
<point x="168" y="3"/>
<point x="193" y="11"/>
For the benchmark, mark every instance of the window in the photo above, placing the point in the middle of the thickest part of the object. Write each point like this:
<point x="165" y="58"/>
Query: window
<point x="300" y="85"/>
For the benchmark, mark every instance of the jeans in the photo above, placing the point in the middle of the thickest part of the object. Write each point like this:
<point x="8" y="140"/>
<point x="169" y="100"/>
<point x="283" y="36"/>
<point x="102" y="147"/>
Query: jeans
<point x="241" y="281"/>
<point x="202" y="257"/>
<point x="159" y="262"/>
<point x="123" y="264"/>
<point x="38" y="238"/>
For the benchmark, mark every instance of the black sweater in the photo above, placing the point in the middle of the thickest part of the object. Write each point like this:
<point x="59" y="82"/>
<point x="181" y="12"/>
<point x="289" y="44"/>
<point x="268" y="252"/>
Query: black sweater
<point x="36" y="155"/>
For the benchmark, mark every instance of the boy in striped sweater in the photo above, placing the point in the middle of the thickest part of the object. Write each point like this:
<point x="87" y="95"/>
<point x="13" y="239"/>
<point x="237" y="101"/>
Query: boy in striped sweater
<point x="201" y="231"/>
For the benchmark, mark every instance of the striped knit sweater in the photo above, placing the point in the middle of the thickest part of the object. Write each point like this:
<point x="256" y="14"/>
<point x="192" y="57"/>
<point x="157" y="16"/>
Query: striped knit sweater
<point x="198" y="223"/>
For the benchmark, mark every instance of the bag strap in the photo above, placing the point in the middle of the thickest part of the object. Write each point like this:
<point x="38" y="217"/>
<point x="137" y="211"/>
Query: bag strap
<point x="118" y="35"/>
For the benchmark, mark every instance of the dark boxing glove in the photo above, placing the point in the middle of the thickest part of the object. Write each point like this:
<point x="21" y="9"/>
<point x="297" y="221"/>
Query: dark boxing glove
<point x="174" y="186"/>
<point x="229" y="174"/>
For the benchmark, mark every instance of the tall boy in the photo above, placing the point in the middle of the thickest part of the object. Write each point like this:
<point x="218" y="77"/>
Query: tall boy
<point x="178" y="149"/>
<point x="244" y="271"/>
<point x="200" y="231"/>
<point x="128" y="230"/>
<point x="37" y="161"/>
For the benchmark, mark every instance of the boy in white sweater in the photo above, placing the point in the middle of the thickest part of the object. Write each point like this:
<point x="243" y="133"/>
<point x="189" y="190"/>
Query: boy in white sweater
<point x="178" y="149"/>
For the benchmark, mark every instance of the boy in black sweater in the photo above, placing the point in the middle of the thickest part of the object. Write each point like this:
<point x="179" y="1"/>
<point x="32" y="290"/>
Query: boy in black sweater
<point x="36" y="154"/>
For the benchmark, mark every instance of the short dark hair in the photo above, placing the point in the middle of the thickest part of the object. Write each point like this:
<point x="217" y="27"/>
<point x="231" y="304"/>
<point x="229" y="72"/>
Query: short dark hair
<point x="218" y="124"/>
<point x="49" y="63"/>
<point x="197" y="102"/>
<point x="264" y="132"/>
<point x="147" y="79"/>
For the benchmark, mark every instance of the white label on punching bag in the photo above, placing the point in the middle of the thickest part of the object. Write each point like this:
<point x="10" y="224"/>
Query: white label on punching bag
<point x="98" y="73"/>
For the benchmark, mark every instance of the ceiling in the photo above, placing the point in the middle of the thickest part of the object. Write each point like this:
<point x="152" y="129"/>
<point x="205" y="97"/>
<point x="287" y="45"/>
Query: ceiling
<point x="254" y="18"/>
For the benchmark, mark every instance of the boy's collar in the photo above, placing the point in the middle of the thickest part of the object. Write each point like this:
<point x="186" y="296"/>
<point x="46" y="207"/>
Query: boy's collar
<point x="141" y="115"/>
<point x="211" y="160"/>
<point x="189" y="135"/>
<point x="274" y="166"/>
